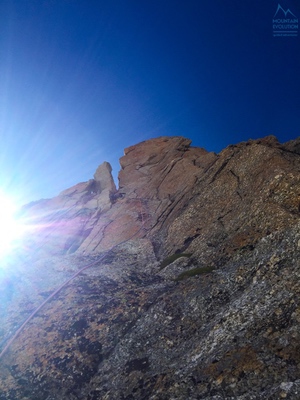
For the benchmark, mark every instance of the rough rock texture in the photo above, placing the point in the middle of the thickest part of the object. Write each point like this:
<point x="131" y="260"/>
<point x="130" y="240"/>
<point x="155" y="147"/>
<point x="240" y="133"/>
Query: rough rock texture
<point x="192" y="289"/>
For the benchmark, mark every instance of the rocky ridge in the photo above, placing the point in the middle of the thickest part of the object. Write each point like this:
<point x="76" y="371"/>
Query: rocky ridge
<point x="193" y="286"/>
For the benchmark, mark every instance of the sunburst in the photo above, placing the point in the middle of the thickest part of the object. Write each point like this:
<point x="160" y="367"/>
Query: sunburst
<point x="11" y="227"/>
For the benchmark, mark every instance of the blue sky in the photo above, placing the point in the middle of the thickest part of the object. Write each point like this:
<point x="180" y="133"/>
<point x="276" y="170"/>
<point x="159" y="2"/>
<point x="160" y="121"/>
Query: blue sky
<point x="81" y="80"/>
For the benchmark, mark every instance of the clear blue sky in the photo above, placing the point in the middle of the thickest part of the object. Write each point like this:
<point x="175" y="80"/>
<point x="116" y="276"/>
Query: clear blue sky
<point x="81" y="80"/>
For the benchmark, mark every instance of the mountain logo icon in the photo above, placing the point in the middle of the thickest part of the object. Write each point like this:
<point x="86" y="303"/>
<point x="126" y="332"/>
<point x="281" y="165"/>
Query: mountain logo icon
<point x="285" y="12"/>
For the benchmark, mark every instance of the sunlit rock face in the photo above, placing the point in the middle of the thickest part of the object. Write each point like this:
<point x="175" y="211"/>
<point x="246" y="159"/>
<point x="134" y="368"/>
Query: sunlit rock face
<point x="156" y="178"/>
<point x="192" y="289"/>
<point x="61" y="224"/>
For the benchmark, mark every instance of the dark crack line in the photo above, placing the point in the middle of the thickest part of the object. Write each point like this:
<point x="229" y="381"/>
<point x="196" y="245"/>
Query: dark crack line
<point x="238" y="183"/>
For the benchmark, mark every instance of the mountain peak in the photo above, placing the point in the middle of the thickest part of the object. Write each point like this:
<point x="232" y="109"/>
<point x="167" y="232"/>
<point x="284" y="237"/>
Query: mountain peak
<point x="180" y="284"/>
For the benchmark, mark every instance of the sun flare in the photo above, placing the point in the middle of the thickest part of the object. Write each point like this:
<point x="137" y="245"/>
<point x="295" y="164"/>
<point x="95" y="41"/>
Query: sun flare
<point x="11" y="228"/>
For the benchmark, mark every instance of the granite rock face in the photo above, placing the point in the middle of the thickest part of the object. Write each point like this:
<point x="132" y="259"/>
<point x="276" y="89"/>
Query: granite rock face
<point x="62" y="223"/>
<point x="189" y="285"/>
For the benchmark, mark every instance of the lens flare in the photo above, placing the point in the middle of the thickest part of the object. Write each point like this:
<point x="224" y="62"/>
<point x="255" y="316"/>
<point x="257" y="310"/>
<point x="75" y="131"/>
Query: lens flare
<point x="11" y="228"/>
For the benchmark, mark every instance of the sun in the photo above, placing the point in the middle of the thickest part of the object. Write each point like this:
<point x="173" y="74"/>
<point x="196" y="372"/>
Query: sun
<point x="11" y="228"/>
